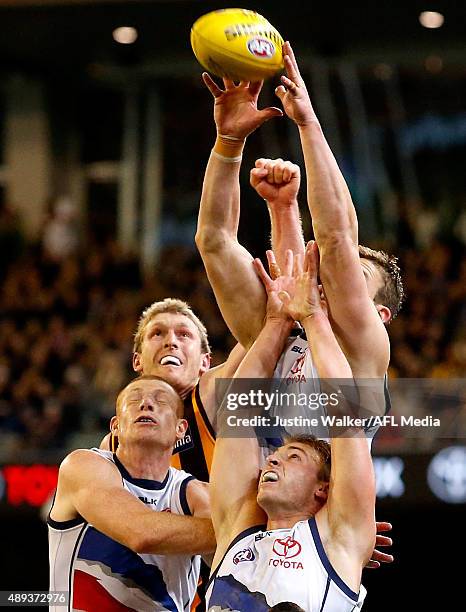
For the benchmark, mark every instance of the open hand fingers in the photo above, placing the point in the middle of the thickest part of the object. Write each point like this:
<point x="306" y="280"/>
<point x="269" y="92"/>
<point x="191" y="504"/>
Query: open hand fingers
<point x="261" y="272"/>
<point x="211" y="85"/>
<point x="291" y="64"/>
<point x="381" y="557"/>
<point x="288" y="263"/>
<point x="274" y="268"/>
<point x="383" y="541"/>
<point x="383" y="526"/>
<point x="255" y="88"/>
<point x="290" y="85"/>
<point x="229" y="84"/>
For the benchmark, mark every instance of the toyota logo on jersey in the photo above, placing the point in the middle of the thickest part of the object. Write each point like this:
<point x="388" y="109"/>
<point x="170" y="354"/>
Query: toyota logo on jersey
<point x="287" y="548"/>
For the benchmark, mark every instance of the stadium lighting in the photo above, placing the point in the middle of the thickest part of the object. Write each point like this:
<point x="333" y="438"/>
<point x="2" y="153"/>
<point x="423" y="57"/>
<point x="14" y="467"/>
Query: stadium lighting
<point x="431" y="19"/>
<point x="125" y="35"/>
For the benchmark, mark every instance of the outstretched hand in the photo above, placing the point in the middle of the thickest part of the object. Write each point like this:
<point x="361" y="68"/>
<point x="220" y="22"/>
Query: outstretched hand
<point x="293" y="92"/>
<point x="235" y="108"/>
<point x="305" y="299"/>
<point x="275" y="180"/>
<point x="276" y="281"/>
<point x="379" y="557"/>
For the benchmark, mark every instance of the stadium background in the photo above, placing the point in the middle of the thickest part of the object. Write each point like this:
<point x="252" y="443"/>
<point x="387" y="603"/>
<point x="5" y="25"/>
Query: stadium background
<point x="102" y="151"/>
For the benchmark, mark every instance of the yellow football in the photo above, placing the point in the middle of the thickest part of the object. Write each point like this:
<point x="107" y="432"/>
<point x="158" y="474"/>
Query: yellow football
<point x="237" y="44"/>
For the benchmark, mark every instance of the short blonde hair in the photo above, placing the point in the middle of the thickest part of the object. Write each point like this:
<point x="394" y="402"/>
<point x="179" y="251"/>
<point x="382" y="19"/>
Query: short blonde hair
<point x="169" y="305"/>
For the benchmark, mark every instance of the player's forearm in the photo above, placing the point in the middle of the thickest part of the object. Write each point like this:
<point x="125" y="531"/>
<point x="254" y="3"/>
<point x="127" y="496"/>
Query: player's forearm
<point x="262" y="357"/>
<point x="353" y="486"/>
<point x="220" y="200"/>
<point x="327" y="355"/>
<point x="329" y="199"/>
<point x="169" y="534"/>
<point x="287" y="231"/>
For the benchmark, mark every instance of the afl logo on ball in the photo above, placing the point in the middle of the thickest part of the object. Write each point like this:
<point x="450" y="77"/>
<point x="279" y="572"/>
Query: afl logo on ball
<point x="261" y="47"/>
<point x="287" y="548"/>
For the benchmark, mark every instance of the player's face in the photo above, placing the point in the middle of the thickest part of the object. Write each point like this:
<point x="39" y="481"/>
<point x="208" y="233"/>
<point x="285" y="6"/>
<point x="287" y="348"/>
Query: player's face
<point x="171" y="349"/>
<point x="147" y="413"/>
<point x="290" y="481"/>
<point x="372" y="275"/>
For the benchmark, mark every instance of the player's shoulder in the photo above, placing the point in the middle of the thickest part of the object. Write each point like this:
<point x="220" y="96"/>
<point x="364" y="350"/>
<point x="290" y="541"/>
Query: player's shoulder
<point x="89" y="461"/>
<point x="197" y="496"/>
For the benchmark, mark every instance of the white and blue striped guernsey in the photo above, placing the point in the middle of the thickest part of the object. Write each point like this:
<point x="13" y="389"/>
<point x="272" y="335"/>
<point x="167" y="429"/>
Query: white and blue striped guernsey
<point x="297" y="374"/>
<point x="102" y="574"/>
<point x="264" y="568"/>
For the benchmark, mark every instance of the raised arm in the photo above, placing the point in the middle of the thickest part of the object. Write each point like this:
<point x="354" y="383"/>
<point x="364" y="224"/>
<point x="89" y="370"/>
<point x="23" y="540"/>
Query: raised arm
<point x="277" y="182"/>
<point x="239" y="294"/>
<point x="236" y="463"/>
<point x="348" y="516"/>
<point x="354" y="316"/>
<point x="90" y="486"/>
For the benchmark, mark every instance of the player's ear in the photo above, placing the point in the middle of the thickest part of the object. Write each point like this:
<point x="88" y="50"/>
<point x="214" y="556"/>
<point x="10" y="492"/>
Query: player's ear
<point x="137" y="363"/>
<point x="181" y="428"/>
<point x="322" y="491"/>
<point x="205" y="363"/>
<point x="114" y="425"/>
<point x="384" y="313"/>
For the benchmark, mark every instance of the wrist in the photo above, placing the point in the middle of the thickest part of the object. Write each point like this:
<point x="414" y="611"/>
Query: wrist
<point x="313" y="317"/>
<point x="279" y="204"/>
<point x="228" y="146"/>
<point x="279" y="320"/>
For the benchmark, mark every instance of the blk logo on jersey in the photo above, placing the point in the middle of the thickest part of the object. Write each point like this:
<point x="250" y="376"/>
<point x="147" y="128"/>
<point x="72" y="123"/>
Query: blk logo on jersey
<point x="148" y="500"/>
<point x="243" y="555"/>
<point x="287" y="548"/>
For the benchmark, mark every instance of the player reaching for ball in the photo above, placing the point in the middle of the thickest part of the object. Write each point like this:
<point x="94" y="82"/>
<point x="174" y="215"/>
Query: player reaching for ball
<point x="320" y="527"/>
<point x="362" y="287"/>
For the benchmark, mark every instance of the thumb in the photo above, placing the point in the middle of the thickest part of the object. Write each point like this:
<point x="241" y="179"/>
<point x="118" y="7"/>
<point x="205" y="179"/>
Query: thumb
<point x="280" y="92"/>
<point x="269" y="113"/>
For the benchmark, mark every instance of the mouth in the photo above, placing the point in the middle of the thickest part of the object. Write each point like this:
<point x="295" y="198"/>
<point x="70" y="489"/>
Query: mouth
<point x="269" y="476"/>
<point x="146" y="419"/>
<point x="170" y="360"/>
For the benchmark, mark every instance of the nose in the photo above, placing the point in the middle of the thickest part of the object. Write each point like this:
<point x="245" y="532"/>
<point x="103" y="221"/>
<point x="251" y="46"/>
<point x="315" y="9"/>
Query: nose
<point x="146" y="404"/>
<point x="273" y="459"/>
<point x="170" y="339"/>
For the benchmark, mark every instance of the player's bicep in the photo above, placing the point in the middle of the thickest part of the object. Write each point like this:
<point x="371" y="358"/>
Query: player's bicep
<point x="238" y="290"/>
<point x="94" y="487"/>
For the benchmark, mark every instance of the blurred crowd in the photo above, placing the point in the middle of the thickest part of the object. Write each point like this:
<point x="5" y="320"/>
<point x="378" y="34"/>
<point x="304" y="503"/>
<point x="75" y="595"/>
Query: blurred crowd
<point x="68" y="315"/>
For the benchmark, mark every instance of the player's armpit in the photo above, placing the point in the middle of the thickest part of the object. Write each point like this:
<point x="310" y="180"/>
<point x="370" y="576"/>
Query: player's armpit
<point x="198" y="497"/>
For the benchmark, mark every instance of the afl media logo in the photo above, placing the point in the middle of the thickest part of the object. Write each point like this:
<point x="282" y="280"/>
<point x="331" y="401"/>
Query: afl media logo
<point x="261" y="47"/>
<point x="287" y="548"/>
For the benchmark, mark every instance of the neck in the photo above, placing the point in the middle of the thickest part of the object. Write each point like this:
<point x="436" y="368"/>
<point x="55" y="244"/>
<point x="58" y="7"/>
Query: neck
<point x="184" y="391"/>
<point x="145" y="462"/>
<point x="285" y="520"/>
